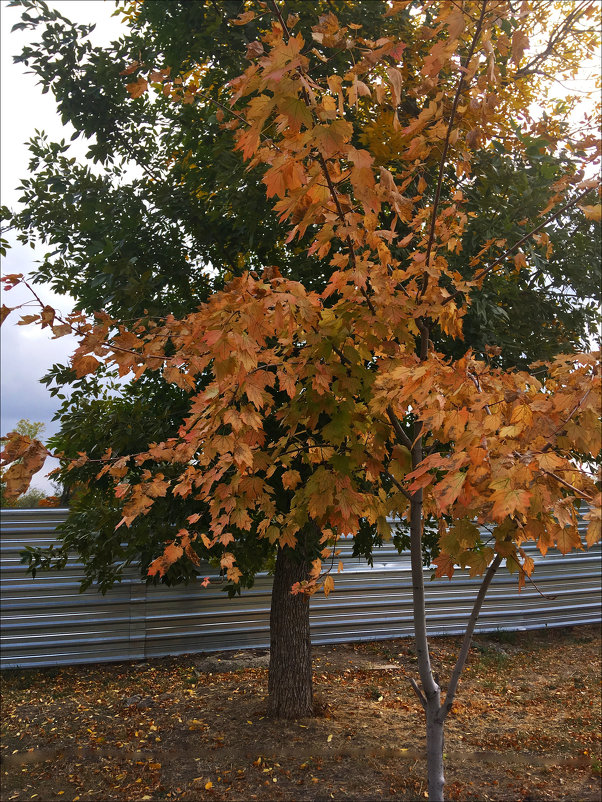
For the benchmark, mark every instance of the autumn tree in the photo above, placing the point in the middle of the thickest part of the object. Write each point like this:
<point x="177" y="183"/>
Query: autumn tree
<point x="314" y="379"/>
<point x="128" y="246"/>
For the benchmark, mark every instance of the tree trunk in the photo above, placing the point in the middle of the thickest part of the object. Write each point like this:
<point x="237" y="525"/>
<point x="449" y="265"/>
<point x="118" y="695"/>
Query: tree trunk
<point x="434" y="749"/>
<point x="290" y="692"/>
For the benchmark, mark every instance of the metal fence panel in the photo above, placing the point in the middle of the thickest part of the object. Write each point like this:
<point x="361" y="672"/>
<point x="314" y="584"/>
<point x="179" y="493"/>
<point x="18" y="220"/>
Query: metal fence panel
<point x="47" y="621"/>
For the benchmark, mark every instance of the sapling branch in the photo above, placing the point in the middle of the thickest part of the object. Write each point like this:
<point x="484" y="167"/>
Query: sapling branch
<point x="467" y="639"/>
<point x="452" y="117"/>
<point x="418" y="692"/>
<point x="399" y="431"/>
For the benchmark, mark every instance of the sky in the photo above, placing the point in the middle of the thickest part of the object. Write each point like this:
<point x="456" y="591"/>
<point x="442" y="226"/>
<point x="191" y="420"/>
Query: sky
<point x="27" y="351"/>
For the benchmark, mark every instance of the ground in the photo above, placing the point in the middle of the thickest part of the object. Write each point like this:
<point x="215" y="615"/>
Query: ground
<point x="526" y="726"/>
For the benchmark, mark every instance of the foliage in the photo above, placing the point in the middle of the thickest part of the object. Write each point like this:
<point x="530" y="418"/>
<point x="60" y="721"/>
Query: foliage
<point x="33" y="497"/>
<point x="130" y="245"/>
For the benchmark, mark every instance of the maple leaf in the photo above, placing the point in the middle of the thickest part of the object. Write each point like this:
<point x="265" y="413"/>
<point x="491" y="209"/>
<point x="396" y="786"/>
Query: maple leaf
<point x="138" y="87"/>
<point x="594" y="517"/>
<point x="593" y="212"/>
<point x="243" y="18"/>
<point x="171" y="554"/>
<point x="445" y="565"/>
<point x="567" y="538"/>
<point x="290" y="479"/>
<point x="508" y="499"/>
<point x="520" y="42"/>
<point x="448" y="489"/>
<point x="331" y="138"/>
<point x="478" y="560"/>
<point x="296" y="111"/>
<point x="85" y="364"/>
<point x="328" y="585"/>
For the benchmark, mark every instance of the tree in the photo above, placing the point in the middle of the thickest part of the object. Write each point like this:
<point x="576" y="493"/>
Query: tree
<point x="33" y="497"/>
<point x="363" y="116"/>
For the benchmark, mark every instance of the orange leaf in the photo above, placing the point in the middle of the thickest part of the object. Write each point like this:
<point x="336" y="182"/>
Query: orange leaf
<point x="448" y="490"/>
<point x="137" y="88"/>
<point x="445" y="565"/>
<point x="290" y="479"/>
<point x="84" y="365"/>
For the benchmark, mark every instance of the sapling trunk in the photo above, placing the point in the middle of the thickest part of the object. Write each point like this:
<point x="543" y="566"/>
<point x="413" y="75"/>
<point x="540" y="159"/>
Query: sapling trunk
<point x="430" y="694"/>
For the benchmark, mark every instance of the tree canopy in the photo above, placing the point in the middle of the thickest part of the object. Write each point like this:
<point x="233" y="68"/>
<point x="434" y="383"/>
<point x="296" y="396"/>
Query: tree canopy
<point x="194" y="215"/>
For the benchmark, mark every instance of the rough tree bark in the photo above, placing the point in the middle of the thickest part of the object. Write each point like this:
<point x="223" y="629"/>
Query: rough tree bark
<point x="290" y="692"/>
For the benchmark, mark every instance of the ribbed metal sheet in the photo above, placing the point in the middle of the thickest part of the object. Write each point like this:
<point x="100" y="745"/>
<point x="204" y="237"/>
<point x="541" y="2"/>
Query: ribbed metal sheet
<point x="47" y="621"/>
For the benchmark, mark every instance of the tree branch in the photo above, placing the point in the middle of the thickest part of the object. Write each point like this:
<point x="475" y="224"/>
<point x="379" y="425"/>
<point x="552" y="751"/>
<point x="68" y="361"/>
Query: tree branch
<point x="398" y="485"/>
<point x="517" y="244"/>
<point x="431" y="238"/>
<point x="453" y="683"/>
<point x="418" y="692"/>
<point x="403" y="437"/>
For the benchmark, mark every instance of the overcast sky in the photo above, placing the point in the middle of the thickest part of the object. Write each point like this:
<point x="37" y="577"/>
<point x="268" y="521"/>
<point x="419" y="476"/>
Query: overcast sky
<point x="27" y="351"/>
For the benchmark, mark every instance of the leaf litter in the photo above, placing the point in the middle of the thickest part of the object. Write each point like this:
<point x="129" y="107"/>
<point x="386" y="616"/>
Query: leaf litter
<point x="526" y="726"/>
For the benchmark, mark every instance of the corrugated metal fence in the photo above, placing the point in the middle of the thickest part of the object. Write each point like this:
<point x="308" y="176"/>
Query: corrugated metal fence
<point x="47" y="621"/>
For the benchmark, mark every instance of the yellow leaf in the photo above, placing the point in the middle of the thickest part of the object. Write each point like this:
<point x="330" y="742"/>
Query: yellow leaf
<point x="593" y="212"/>
<point x="328" y="585"/>
<point x="208" y="785"/>
<point x="290" y="479"/>
<point x="329" y="739"/>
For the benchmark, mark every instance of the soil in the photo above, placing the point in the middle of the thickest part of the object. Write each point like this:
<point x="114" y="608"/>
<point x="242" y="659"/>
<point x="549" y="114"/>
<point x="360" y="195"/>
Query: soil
<point x="525" y="726"/>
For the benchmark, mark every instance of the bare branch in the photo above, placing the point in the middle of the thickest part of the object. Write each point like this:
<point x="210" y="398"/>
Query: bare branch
<point x="403" y="437"/>
<point x="453" y="683"/>
<point x="418" y="692"/>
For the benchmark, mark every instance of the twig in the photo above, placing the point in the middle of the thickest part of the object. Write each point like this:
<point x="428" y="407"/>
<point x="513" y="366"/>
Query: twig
<point x="418" y="692"/>
<point x="517" y="244"/>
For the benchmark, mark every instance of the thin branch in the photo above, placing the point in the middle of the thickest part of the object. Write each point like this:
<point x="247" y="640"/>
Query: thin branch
<point x="403" y="437"/>
<point x="452" y="117"/>
<point x="418" y="692"/>
<point x="580" y="493"/>
<point x="400" y="487"/>
<point x="453" y="683"/>
<point x="543" y="595"/>
<point x="517" y="244"/>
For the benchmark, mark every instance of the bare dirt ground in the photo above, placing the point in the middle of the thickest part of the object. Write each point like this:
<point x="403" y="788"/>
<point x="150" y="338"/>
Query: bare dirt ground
<point x="525" y="727"/>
